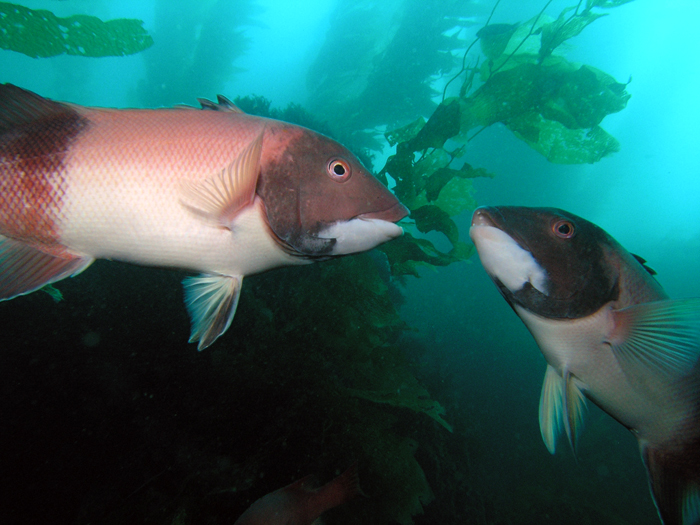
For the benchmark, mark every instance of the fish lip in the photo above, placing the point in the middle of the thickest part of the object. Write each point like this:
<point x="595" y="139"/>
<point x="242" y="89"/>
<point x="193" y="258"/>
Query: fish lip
<point x="393" y="214"/>
<point x="358" y="235"/>
<point x="483" y="217"/>
<point x="488" y="216"/>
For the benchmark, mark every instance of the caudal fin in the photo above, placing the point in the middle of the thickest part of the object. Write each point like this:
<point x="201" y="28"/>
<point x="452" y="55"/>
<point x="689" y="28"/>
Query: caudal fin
<point x="674" y="480"/>
<point x="341" y="489"/>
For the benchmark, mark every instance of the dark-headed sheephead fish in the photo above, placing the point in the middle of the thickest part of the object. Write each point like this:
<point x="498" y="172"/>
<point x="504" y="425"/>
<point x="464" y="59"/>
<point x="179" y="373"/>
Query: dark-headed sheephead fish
<point x="609" y="333"/>
<point x="297" y="504"/>
<point x="215" y="191"/>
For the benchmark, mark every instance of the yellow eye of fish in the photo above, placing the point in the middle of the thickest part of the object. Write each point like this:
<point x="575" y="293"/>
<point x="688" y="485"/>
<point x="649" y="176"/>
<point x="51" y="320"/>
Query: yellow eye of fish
<point x="339" y="170"/>
<point x="563" y="229"/>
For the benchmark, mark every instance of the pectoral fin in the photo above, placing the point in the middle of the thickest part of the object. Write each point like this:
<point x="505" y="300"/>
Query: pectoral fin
<point x="220" y="197"/>
<point x="211" y="301"/>
<point x="24" y="269"/>
<point x="662" y="337"/>
<point x="562" y="405"/>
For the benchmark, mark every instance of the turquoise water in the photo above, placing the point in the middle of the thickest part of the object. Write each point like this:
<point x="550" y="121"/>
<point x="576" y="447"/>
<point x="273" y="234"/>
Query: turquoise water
<point x="109" y="416"/>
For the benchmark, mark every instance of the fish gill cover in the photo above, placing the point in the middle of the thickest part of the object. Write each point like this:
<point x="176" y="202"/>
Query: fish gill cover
<point x="319" y="369"/>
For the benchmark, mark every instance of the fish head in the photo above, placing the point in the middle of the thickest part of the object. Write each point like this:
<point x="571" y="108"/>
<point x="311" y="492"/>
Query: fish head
<point x="548" y="261"/>
<point x="319" y="199"/>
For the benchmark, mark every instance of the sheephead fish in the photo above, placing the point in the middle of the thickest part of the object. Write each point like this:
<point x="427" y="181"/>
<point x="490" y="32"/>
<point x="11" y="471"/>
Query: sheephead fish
<point x="609" y="333"/>
<point x="211" y="190"/>
<point x="298" y="504"/>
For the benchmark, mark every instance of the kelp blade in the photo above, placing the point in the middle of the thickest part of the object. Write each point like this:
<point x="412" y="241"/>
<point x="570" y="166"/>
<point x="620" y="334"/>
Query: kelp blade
<point x="41" y="34"/>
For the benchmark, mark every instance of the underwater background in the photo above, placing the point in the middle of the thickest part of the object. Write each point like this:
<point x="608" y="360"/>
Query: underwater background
<point x="405" y="359"/>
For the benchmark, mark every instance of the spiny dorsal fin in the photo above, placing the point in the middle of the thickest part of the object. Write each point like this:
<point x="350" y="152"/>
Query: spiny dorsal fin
<point x="221" y="104"/>
<point x="643" y="262"/>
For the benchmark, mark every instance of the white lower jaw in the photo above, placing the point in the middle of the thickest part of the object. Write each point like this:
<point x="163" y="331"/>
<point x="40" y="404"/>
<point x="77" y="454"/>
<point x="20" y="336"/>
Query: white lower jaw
<point x="359" y="235"/>
<point x="504" y="259"/>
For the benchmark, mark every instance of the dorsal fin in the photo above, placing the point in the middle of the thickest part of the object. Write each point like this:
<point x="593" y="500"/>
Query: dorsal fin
<point x="221" y="104"/>
<point x="643" y="262"/>
<point x="19" y="107"/>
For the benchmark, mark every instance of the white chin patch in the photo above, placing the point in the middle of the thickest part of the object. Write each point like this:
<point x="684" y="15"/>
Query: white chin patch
<point x="359" y="235"/>
<point x="505" y="260"/>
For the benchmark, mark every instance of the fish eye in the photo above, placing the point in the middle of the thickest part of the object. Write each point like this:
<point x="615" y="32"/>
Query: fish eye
<point x="339" y="170"/>
<point x="563" y="229"/>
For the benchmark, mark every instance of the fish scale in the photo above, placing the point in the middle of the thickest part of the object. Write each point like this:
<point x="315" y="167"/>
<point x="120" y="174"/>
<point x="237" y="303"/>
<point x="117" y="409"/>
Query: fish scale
<point x="122" y="200"/>
<point x="213" y="191"/>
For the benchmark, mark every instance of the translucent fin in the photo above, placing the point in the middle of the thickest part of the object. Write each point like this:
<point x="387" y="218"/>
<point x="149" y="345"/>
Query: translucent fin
<point x="562" y="405"/>
<point x="24" y="269"/>
<point x="211" y="301"/>
<point x="551" y="408"/>
<point x="662" y="336"/>
<point x="575" y="405"/>
<point x="221" y="196"/>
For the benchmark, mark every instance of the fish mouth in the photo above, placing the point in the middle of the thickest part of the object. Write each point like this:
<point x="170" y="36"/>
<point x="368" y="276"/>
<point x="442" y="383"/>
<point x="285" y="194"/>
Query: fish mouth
<point x="483" y="217"/>
<point x="505" y="258"/>
<point x="365" y="231"/>
<point x="491" y="217"/>
<point x="393" y="214"/>
<point x="359" y="235"/>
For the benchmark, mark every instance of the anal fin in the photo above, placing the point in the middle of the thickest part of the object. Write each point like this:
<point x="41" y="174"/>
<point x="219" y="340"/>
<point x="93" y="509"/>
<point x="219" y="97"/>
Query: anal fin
<point x="211" y="301"/>
<point x="24" y="269"/>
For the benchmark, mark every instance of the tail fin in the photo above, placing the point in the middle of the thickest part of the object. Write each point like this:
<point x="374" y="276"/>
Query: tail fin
<point x="341" y="489"/>
<point x="674" y="480"/>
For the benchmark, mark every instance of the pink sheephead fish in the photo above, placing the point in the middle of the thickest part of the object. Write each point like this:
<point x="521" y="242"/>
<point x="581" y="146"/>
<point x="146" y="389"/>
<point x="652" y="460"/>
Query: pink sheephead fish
<point x="214" y="191"/>
<point x="296" y="504"/>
